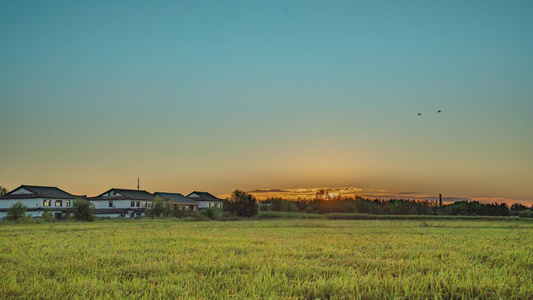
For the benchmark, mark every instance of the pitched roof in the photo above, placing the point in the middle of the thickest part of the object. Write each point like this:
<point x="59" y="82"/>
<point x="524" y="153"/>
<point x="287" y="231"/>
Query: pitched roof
<point x="203" y="196"/>
<point x="125" y="194"/>
<point x="177" y="198"/>
<point x="40" y="192"/>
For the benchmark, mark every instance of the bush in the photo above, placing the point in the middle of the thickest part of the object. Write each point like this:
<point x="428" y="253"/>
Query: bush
<point x="47" y="216"/>
<point x="198" y="216"/>
<point x="17" y="211"/>
<point x="158" y="208"/>
<point x="526" y="214"/>
<point x="210" y="213"/>
<point x="264" y="207"/>
<point x="241" y="204"/>
<point x="179" y="212"/>
<point x="83" y="210"/>
<point x="287" y="215"/>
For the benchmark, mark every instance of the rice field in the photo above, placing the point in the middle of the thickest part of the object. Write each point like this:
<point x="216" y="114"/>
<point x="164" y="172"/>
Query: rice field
<point x="273" y="259"/>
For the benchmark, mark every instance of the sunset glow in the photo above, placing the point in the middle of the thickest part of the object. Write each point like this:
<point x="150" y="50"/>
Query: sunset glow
<point x="269" y="97"/>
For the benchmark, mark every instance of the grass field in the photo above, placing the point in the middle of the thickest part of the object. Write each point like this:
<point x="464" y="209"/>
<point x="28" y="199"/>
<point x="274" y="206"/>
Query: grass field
<point x="369" y="259"/>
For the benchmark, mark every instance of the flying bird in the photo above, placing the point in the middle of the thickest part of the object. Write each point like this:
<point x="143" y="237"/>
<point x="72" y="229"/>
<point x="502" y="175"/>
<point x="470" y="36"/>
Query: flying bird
<point x="439" y="111"/>
<point x="419" y="114"/>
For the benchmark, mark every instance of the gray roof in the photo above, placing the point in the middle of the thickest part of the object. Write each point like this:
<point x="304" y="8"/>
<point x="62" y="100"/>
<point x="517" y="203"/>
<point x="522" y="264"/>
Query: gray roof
<point x="203" y="196"/>
<point x="40" y="192"/>
<point x="177" y="198"/>
<point x="126" y="194"/>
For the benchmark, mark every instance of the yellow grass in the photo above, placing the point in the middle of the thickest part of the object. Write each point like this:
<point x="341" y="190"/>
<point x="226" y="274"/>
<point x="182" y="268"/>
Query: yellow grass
<point x="268" y="259"/>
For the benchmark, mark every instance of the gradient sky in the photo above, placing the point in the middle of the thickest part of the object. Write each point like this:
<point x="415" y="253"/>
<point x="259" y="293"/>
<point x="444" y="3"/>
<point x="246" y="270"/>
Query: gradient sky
<point x="219" y="95"/>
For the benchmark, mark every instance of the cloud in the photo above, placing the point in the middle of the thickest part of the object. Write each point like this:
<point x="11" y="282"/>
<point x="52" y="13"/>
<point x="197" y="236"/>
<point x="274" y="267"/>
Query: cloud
<point x="257" y="191"/>
<point x="304" y="192"/>
<point x="310" y="193"/>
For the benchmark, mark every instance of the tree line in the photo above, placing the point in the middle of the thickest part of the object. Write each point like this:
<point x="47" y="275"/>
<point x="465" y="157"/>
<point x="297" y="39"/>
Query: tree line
<point x="359" y="204"/>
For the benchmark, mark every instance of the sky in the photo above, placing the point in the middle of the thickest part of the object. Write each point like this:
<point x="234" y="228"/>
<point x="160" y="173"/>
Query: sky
<point x="269" y="95"/>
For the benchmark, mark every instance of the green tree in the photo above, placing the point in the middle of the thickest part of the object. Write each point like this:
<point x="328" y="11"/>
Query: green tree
<point x="158" y="208"/>
<point x="16" y="211"/>
<point x="241" y="204"/>
<point x="47" y="216"/>
<point x="3" y="190"/>
<point x="179" y="212"/>
<point x="83" y="210"/>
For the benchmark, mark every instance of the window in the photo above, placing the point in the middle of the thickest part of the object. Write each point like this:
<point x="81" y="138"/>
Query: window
<point x="59" y="203"/>
<point x="132" y="204"/>
<point x="47" y="202"/>
<point x="144" y="203"/>
<point x="138" y="203"/>
<point x="219" y="205"/>
<point x="110" y="203"/>
<point x="67" y="203"/>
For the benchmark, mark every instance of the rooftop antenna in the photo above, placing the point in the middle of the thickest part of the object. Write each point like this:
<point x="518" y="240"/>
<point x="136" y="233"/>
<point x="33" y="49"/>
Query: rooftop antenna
<point x="138" y="182"/>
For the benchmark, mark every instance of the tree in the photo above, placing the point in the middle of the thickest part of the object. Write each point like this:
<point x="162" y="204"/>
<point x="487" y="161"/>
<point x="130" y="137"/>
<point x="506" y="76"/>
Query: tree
<point x="83" y="210"/>
<point x="47" y="216"/>
<point x="3" y="190"/>
<point x="16" y="211"/>
<point x="241" y="204"/>
<point x="158" y="208"/>
<point x="179" y="212"/>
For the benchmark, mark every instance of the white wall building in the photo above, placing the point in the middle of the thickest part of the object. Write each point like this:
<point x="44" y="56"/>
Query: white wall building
<point x="205" y="200"/>
<point x="113" y="203"/>
<point x="177" y="201"/>
<point x="39" y="199"/>
<point x="122" y="203"/>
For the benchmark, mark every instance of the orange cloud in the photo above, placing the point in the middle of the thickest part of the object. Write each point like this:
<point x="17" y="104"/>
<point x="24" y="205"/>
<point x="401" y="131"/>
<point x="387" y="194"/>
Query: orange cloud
<point x="310" y="193"/>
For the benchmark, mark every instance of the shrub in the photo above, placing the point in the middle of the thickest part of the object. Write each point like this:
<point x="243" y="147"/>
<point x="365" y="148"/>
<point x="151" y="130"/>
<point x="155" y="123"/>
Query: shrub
<point x="526" y="214"/>
<point x="158" y="208"/>
<point x="16" y="211"/>
<point x="167" y="211"/>
<point x="210" y="213"/>
<point x="264" y="207"/>
<point x="241" y="204"/>
<point x="179" y="212"/>
<point x="198" y="216"/>
<point x="83" y="210"/>
<point x="47" y="216"/>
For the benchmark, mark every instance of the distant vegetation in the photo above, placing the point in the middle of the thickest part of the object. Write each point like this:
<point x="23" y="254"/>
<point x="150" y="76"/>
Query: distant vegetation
<point x="83" y="210"/>
<point x="3" y="190"/>
<point x="16" y="212"/>
<point x="362" y="205"/>
<point x="240" y="204"/>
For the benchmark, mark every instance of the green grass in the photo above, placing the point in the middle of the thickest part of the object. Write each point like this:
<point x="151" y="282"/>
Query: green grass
<point x="350" y="216"/>
<point x="287" y="215"/>
<point x="367" y="259"/>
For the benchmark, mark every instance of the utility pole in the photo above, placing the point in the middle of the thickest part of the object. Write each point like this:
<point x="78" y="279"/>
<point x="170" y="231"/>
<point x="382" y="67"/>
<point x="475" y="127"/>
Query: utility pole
<point x="138" y="182"/>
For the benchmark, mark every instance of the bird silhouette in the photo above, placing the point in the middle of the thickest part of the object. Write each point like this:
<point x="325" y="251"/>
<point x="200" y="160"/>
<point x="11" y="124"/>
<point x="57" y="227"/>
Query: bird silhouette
<point x="419" y="114"/>
<point x="439" y="111"/>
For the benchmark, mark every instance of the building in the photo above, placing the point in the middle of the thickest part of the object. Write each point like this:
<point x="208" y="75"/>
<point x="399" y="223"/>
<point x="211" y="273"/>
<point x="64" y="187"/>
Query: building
<point x="205" y="200"/>
<point x="178" y="201"/>
<point x="39" y="199"/>
<point x="113" y="203"/>
<point x="122" y="203"/>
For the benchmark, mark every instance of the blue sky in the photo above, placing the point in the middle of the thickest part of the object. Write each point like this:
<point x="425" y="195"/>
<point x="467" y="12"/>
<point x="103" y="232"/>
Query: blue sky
<point x="253" y="94"/>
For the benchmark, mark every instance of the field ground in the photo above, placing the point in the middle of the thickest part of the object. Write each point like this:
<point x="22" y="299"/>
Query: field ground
<point x="368" y="259"/>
